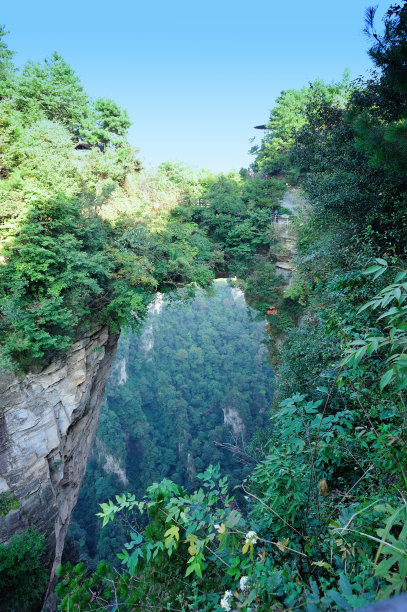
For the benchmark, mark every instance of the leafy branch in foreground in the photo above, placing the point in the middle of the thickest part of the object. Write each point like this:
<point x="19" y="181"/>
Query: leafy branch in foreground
<point x="393" y="338"/>
<point x="313" y="531"/>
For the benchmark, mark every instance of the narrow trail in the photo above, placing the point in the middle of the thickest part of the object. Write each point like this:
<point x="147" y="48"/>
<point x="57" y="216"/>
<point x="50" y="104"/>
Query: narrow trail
<point x="292" y="200"/>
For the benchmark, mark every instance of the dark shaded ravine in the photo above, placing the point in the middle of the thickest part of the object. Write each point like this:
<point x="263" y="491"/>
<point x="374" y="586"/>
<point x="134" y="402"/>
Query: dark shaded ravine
<point x="191" y="390"/>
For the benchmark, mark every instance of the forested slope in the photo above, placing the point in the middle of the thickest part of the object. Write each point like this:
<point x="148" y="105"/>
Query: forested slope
<point x="192" y="390"/>
<point x="73" y="253"/>
<point x="86" y="239"/>
<point x="326" y="523"/>
<point x="325" y="527"/>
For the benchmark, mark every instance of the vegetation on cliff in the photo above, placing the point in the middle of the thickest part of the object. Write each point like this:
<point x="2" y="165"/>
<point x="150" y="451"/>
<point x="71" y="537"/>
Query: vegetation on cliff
<point x="326" y="523"/>
<point x="23" y="574"/>
<point x="73" y="253"/>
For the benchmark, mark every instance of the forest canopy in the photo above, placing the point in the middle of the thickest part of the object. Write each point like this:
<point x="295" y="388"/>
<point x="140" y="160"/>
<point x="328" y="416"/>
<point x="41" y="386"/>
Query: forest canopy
<point x="73" y="254"/>
<point x="191" y="390"/>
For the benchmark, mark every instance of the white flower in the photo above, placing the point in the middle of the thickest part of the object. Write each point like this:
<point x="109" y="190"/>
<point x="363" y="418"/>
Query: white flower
<point x="243" y="586"/>
<point x="225" y="601"/>
<point x="251" y="537"/>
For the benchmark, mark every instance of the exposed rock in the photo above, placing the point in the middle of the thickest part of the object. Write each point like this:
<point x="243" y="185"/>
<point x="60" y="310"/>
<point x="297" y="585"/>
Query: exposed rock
<point x="284" y="253"/>
<point x="122" y="372"/>
<point x="158" y="303"/>
<point x="237" y="294"/>
<point x="111" y="464"/>
<point x="284" y="265"/>
<point x="293" y="199"/>
<point x="191" y="469"/>
<point x="286" y="231"/>
<point x="147" y="336"/>
<point x="47" y="426"/>
<point x="232" y="418"/>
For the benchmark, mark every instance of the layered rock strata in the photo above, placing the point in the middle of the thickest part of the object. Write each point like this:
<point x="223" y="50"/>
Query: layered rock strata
<point x="286" y="231"/>
<point x="48" y="423"/>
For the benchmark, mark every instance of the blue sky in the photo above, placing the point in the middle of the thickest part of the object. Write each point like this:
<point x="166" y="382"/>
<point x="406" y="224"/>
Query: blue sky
<point x="194" y="76"/>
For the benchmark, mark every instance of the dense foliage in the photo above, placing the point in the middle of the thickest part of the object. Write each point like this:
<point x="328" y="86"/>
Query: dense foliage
<point x="236" y="212"/>
<point x="287" y="118"/>
<point x="23" y="576"/>
<point x="190" y="391"/>
<point x="323" y="525"/>
<point x="326" y="523"/>
<point x="317" y="532"/>
<point x="78" y="247"/>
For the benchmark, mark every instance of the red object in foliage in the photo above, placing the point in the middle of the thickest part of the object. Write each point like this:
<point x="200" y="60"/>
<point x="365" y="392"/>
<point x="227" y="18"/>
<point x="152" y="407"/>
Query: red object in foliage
<point x="272" y="310"/>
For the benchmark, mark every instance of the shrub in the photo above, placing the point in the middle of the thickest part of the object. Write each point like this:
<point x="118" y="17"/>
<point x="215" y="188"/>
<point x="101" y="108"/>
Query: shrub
<point x="23" y="576"/>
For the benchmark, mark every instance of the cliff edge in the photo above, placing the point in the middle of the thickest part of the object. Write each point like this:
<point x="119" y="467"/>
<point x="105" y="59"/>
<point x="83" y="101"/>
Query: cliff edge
<point x="48" y="423"/>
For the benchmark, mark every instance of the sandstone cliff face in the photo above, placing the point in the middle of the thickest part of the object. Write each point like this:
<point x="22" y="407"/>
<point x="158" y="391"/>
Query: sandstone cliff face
<point x="284" y="253"/>
<point x="287" y="235"/>
<point x="48" y="423"/>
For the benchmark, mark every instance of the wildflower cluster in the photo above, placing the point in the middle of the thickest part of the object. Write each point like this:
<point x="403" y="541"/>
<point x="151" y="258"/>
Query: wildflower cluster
<point x="272" y="310"/>
<point x="225" y="601"/>
<point x="251" y="537"/>
<point x="243" y="583"/>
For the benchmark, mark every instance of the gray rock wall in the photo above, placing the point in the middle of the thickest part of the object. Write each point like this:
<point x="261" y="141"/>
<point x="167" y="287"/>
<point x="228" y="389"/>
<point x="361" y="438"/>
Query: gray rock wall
<point x="48" y="423"/>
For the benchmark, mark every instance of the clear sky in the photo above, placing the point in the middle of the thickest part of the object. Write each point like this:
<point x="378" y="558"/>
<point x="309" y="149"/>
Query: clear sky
<point x="195" y="76"/>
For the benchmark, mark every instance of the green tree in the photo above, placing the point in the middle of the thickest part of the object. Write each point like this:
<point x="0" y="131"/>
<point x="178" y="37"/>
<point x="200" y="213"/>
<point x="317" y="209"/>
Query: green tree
<point x="110" y="123"/>
<point x="380" y="113"/>
<point x="7" y="70"/>
<point x="52" y="90"/>
<point x="23" y="576"/>
<point x="287" y="118"/>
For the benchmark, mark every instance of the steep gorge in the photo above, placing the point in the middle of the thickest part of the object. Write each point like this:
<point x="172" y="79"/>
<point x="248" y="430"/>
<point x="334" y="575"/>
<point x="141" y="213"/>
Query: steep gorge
<point x="48" y="425"/>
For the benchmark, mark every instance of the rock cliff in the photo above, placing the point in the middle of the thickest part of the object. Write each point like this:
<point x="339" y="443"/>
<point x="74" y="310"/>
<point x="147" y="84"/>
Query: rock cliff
<point x="48" y="422"/>
<point x="284" y="252"/>
<point x="286" y="232"/>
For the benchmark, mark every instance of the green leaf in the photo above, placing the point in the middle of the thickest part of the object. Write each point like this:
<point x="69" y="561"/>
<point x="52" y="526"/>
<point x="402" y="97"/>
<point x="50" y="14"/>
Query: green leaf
<point x="339" y="600"/>
<point x="379" y="273"/>
<point x="345" y="586"/>
<point x="372" y="269"/>
<point x="195" y="567"/>
<point x="323" y="564"/>
<point x="386" y="379"/>
<point x="233" y="519"/>
<point x="385" y="532"/>
<point x="390" y="312"/>
<point x="384" y="566"/>
<point x="367" y="305"/>
<point x="172" y="533"/>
